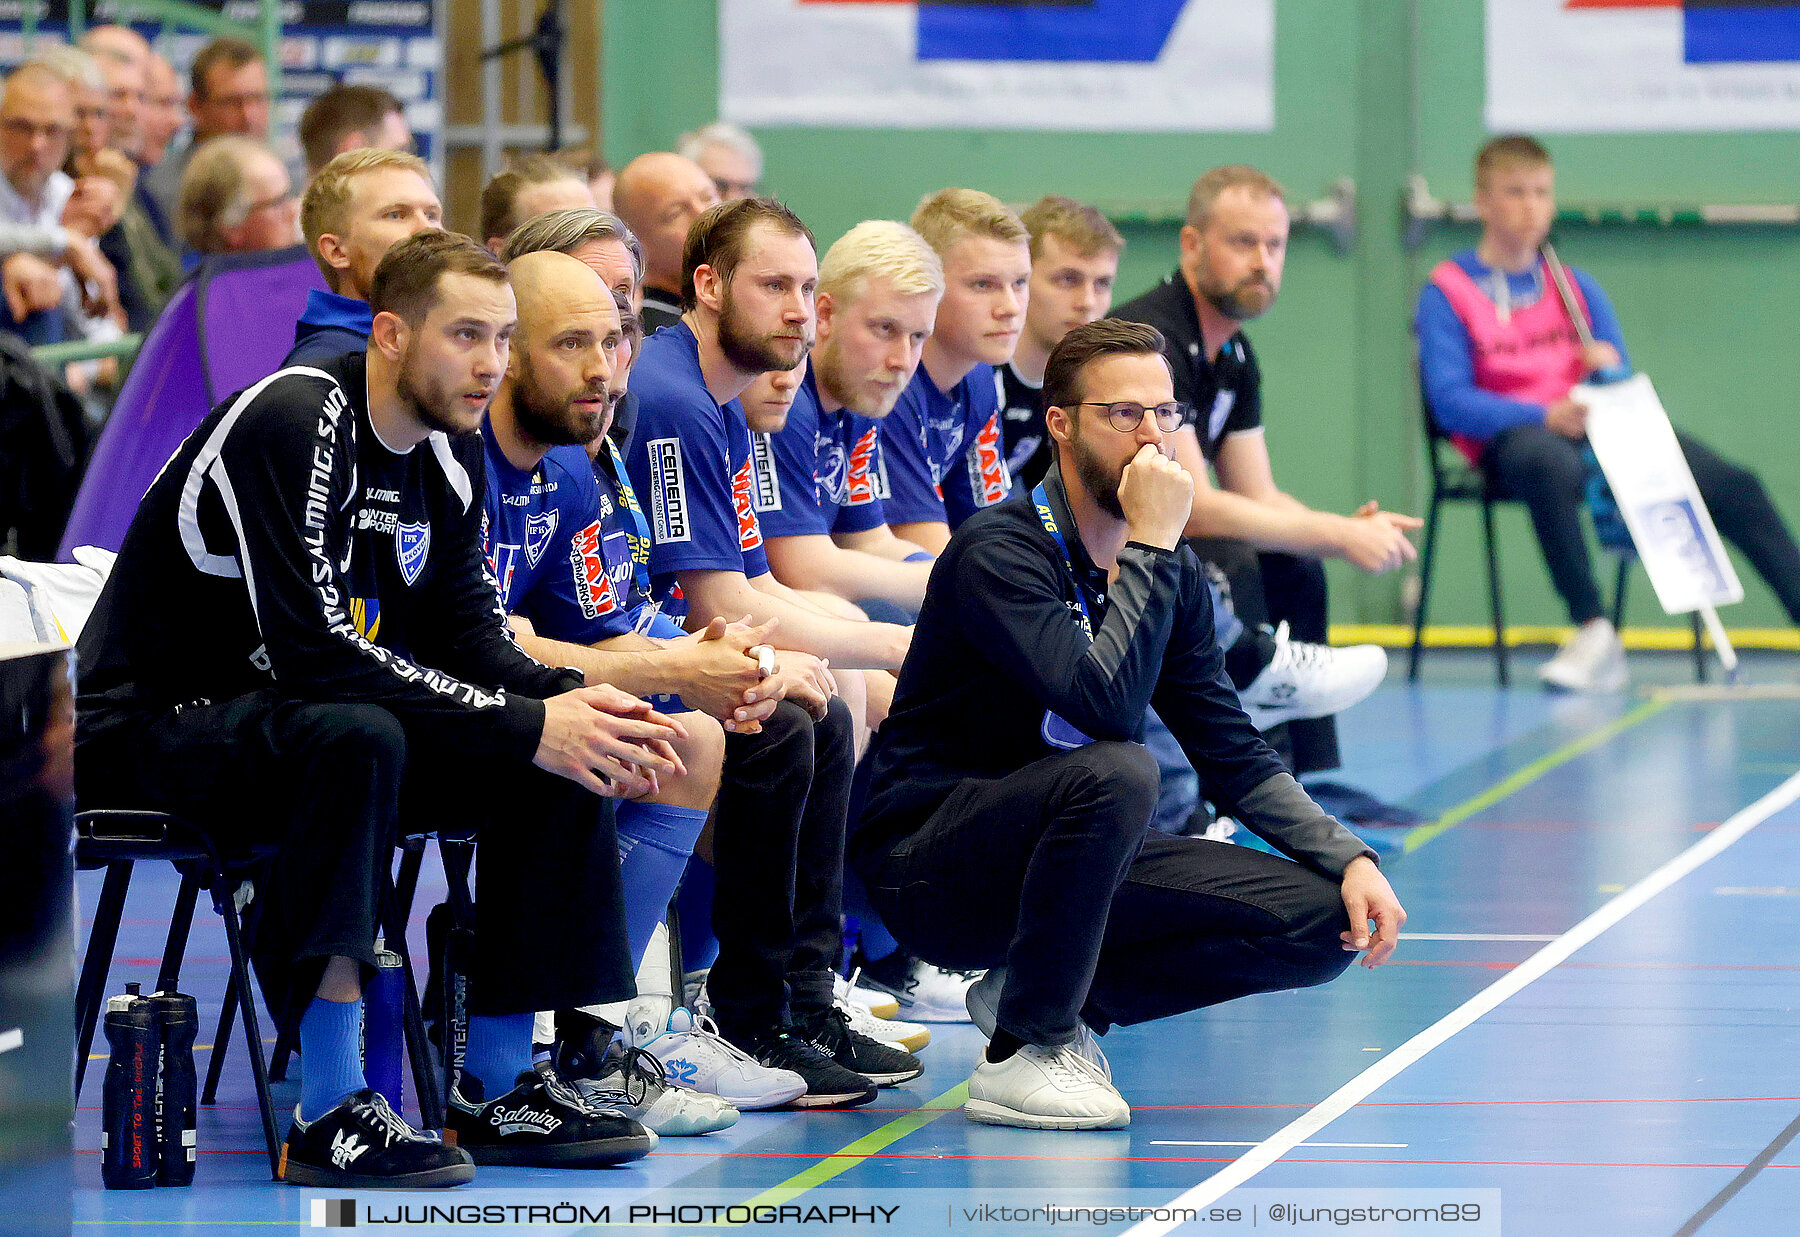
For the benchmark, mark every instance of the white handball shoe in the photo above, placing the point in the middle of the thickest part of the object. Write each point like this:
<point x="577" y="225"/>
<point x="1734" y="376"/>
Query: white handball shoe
<point x="1311" y="680"/>
<point x="1042" y="1088"/>
<point x="1590" y="660"/>
<point x="693" y="1054"/>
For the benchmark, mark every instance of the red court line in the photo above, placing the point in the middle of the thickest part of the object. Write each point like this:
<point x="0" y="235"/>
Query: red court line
<point x="1169" y="1159"/>
<point x="1691" y="1099"/>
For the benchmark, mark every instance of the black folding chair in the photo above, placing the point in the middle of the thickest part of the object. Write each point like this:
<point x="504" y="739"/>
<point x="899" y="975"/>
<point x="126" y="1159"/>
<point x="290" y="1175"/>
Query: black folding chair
<point x="1455" y="480"/>
<point x="116" y="840"/>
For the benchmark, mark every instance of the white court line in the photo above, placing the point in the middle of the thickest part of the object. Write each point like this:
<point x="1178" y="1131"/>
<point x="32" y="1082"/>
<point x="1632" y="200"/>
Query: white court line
<point x="1478" y="936"/>
<point x="1532" y="969"/>
<point x="1181" y="1142"/>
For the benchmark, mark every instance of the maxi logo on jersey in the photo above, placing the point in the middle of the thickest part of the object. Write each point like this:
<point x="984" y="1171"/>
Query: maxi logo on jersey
<point x="862" y="480"/>
<point x="749" y="532"/>
<point x="987" y="465"/>
<point x="594" y="591"/>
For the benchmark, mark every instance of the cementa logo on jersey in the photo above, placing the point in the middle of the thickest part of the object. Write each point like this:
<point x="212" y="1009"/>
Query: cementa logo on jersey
<point x="987" y="465"/>
<point x="668" y="490"/>
<point x="749" y="532"/>
<point x="594" y="591"/>
<point x="766" y="492"/>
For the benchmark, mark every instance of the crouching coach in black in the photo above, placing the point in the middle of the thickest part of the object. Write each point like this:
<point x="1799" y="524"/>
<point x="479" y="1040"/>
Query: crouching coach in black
<point x="1005" y="825"/>
<point x="300" y="642"/>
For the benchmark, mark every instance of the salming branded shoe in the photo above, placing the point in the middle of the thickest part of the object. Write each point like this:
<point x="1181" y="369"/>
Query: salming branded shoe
<point x="882" y="1064"/>
<point x="542" y="1122"/>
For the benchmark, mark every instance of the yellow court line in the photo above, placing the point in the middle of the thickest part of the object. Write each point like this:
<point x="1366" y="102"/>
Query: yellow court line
<point x="843" y="1161"/>
<point x="1470" y="636"/>
<point x="1531" y="773"/>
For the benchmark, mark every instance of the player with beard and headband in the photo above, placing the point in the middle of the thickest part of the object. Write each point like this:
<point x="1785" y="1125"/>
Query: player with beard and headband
<point x="820" y="477"/>
<point x="1008" y="801"/>
<point x="563" y="545"/>
<point x="748" y="278"/>
<point x="942" y="448"/>
<point x="1265" y="542"/>
<point x="301" y="621"/>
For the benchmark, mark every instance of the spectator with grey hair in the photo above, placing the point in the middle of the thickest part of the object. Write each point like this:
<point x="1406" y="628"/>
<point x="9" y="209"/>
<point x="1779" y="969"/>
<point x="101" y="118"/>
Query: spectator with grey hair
<point x="236" y="198"/>
<point x="42" y="225"/>
<point x="729" y="155"/>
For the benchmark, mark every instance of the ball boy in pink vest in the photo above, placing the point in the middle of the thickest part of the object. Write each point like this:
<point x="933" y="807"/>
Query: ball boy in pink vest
<point x="1499" y="354"/>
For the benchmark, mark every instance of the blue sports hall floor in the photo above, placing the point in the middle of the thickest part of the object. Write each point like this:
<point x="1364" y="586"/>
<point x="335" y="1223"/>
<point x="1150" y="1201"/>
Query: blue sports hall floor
<point x="1592" y="1025"/>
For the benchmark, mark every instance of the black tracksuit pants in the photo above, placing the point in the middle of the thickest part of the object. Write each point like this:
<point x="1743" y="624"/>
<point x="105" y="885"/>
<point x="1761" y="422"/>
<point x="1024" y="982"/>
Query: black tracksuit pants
<point x="336" y="785"/>
<point x="1545" y="471"/>
<point x="778" y="855"/>
<point x="1275" y="588"/>
<point x="1052" y="872"/>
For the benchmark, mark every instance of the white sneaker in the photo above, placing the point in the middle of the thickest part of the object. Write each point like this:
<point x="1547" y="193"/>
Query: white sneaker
<point x="1045" y="1089"/>
<point x="929" y="993"/>
<point x="1311" y="680"/>
<point x="694" y="1055"/>
<point x="984" y="1000"/>
<point x="1590" y="660"/>
<point x="880" y="1004"/>
<point x="632" y="1082"/>
<point x="907" y="1035"/>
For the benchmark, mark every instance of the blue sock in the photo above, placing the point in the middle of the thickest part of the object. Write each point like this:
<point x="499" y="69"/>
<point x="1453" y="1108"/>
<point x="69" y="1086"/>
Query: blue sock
<point x="655" y="841"/>
<point x="698" y="947"/>
<point x="330" y="1055"/>
<point x="499" y="1050"/>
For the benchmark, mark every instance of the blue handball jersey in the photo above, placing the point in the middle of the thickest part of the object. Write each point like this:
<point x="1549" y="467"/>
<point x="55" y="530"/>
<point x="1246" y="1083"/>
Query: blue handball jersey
<point x="689" y="462"/>
<point x="820" y="474"/>
<point x="943" y="451"/>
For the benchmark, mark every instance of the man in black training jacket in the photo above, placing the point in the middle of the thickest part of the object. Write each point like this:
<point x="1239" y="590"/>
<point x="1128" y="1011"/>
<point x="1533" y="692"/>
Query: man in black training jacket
<point x="1007" y="812"/>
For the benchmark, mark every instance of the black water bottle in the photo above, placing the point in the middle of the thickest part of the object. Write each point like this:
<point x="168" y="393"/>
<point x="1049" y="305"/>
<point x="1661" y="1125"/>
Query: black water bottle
<point x="128" y="1153"/>
<point x="177" y="1022"/>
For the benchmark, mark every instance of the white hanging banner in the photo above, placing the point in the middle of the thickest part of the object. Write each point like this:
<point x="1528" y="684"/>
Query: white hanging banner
<point x="1642" y="66"/>
<point x="1173" y="66"/>
<point x="1655" y="490"/>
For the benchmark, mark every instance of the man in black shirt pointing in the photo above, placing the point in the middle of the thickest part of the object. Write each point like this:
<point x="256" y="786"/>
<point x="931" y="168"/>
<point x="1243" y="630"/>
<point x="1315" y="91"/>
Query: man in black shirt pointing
<point x="301" y="643"/>
<point x="1006" y="820"/>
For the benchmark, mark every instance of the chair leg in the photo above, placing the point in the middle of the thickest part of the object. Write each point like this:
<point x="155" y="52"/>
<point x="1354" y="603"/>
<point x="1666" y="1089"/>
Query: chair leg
<point x="1618" y="609"/>
<point x="102" y="939"/>
<point x="223" y="888"/>
<point x="406" y="883"/>
<point x="418" y="1049"/>
<point x="458" y="854"/>
<point x="1426" y="559"/>
<point x="1699" y="649"/>
<point x="181" y="924"/>
<point x="1493" y="570"/>
<point x="215" y="1065"/>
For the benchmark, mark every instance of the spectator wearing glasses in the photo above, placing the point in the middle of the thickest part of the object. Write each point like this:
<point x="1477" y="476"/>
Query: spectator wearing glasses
<point x="1010" y="792"/>
<point x="236" y="198"/>
<point x="228" y="96"/>
<point x="729" y="155"/>
<point x="44" y="232"/>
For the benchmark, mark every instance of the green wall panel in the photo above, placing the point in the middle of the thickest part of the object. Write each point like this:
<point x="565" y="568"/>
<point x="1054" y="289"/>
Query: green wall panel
<point x="1370" y="89"/>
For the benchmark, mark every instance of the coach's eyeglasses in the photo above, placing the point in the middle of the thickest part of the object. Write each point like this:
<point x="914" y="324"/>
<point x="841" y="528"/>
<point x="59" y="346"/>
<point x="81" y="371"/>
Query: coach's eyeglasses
<point x="1126" y="415"/>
